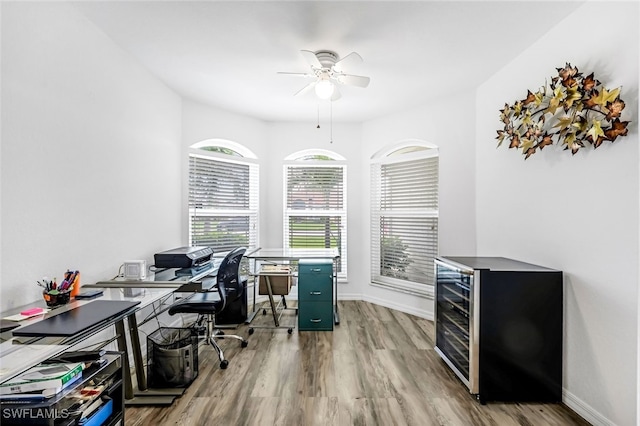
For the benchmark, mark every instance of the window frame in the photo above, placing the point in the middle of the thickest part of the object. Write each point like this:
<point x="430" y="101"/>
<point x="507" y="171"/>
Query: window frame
<point x="300" y="160"/>
<point x="398" y="155"/>
<point x="252" y="212"/>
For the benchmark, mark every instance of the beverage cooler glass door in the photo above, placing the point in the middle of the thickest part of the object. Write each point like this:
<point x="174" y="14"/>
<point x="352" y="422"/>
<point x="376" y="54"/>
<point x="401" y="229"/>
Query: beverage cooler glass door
<point x="456" y="328"/>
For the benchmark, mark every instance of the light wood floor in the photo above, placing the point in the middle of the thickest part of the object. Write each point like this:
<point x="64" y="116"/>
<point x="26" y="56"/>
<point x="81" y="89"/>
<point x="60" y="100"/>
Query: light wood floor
<point x="378" y="367"/>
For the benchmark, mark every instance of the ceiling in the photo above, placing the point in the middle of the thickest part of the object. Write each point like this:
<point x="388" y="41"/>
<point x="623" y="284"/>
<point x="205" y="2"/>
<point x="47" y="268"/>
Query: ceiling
<point x="227" y="53"/>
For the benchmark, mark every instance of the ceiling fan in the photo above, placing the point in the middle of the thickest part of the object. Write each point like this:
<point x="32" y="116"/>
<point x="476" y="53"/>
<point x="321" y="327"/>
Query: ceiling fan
<point x="327" y="70"/>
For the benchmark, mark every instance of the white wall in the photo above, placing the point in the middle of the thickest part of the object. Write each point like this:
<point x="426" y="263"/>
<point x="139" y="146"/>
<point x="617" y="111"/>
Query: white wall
<point x="576" y="213"/>
<point x="1" y="115"/>
<point x="447" y="123"/>
<point x="89" y="147"/>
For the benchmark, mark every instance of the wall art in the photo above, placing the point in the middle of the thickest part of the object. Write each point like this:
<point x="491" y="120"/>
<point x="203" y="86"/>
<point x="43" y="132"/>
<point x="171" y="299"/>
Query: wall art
<point x="571" y="110"/>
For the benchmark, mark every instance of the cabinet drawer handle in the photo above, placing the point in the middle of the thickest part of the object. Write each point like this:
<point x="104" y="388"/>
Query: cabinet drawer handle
<point x="315" y="269"/>
<point x="315" y="293"/>
<point x="315" y="320"/>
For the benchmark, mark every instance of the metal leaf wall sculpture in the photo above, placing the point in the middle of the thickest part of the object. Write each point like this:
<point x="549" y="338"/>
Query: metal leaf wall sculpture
<point x="572" y="110"/>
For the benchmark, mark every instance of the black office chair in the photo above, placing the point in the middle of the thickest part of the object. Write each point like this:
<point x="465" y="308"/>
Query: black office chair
<point x="229" y="287"/>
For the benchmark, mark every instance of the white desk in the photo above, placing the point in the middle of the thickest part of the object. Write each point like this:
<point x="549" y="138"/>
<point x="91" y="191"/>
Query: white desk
<point x="20" y="353"/>
<point x="143" y="396"/>
<point x="279" y="255"/>
<point x="165" y="278"/>
<point x="17" y="354"/>
<point x="164" y="282"/>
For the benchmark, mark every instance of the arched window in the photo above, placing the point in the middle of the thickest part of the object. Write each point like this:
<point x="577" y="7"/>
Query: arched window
<point x="223" y="195"/>
<point x="404" y="217"/>
<point x="315" y="210"/>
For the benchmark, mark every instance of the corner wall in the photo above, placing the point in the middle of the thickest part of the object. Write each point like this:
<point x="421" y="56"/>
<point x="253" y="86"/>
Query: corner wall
<point x="447" y="123"/>
<point x="580" y="213"/>
<point x="89" y="146"/>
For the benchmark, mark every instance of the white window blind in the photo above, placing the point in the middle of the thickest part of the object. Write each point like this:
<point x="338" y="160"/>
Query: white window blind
<point x="316" y="208"/>
<point x="404" y="221"/>
<point x="223" y="201"/>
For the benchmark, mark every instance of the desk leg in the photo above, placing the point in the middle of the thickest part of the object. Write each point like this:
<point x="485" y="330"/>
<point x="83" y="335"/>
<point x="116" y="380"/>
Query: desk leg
<point x="122" y="347"/>
<point x="336" y="315"/>
<point x="273" y="306"/>
<point x="138" y="361"/>
<point x="143" y="396"/>
<point x="252" y="314"/>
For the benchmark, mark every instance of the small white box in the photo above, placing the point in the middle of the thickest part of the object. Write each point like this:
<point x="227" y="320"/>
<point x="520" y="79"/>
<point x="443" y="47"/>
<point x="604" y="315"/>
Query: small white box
<point x="135" y="269"/>
<point x="133" y="292"/>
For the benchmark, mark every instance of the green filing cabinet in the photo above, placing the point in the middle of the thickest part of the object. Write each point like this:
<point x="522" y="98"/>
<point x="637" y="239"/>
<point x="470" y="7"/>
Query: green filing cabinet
<point x="315" y="295"/>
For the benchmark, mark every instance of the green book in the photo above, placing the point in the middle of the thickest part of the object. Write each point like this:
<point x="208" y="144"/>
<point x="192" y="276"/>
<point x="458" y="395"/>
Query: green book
<point x="41" y="377"/>
<point x="39" y="395"/>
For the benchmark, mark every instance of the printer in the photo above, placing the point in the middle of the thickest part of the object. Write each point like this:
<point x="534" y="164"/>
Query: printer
<point x="183" y="257"/>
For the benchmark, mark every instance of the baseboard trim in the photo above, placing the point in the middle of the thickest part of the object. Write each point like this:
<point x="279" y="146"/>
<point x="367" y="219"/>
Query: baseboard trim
<point x="422" y="313"/>
<point x="584" y="410"/>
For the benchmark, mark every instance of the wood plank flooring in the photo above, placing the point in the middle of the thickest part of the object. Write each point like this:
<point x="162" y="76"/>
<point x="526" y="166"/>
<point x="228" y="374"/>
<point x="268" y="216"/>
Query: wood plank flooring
<point x="378" y="367"/>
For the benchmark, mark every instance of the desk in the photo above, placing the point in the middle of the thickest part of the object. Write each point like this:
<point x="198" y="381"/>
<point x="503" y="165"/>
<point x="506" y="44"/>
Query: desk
<point x="166" y="282"/>
<point x="143" y="396"/>
<point x="279" y="255"/>
<point x="17" y="354"/>
<point x="21" y="353"/>
<point x="165" y="278"/>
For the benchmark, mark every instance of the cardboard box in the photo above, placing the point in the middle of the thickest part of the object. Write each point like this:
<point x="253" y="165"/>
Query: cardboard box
<point x="279" y="277"/>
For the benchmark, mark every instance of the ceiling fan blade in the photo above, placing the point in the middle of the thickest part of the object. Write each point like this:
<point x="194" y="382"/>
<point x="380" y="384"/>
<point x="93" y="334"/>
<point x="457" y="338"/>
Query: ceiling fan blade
<point x="311" y="58"/>
<point x="305" y="89"/>
<point x="353" y="80"/>
<point x="297" y="74"/>
<point x="351" y="58"/>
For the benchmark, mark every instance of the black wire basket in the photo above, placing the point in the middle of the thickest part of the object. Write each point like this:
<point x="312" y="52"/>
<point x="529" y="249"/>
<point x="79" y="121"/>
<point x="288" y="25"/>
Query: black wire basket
<point x="172" y="357"/>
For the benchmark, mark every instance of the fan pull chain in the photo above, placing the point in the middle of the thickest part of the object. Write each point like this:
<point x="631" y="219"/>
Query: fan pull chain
<point x="331" y="122"/>
<point x="318" y="126"/>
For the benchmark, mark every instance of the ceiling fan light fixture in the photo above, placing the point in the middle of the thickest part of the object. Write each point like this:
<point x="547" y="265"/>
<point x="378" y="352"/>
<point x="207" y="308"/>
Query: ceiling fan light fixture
<point x="328" y="75"/>
<point x="324" y="89"/>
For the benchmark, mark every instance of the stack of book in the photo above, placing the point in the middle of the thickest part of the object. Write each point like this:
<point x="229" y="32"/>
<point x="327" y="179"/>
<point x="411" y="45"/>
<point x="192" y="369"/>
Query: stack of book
<point x="41" y="382"/>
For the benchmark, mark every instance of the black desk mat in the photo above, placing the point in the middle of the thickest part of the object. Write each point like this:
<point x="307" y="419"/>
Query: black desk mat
<point x="75" y="321"/>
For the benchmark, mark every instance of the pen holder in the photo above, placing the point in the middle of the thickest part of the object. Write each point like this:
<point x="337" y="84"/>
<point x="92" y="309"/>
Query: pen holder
<point x="75" y="285"/>
<point x="56" y="298"/>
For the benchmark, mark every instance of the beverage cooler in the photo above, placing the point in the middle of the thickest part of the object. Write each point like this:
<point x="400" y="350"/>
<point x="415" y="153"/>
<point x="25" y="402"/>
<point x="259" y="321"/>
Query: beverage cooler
<point x="499" y="327"/>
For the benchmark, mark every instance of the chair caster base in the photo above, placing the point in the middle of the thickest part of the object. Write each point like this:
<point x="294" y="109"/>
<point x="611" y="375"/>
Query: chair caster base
<point x="224" y="364"/>
<point x="244" y="344"/>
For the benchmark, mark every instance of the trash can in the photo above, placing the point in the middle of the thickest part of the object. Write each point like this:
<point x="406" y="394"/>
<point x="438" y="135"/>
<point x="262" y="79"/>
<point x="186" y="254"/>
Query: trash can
<point x="172" y="357"/>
